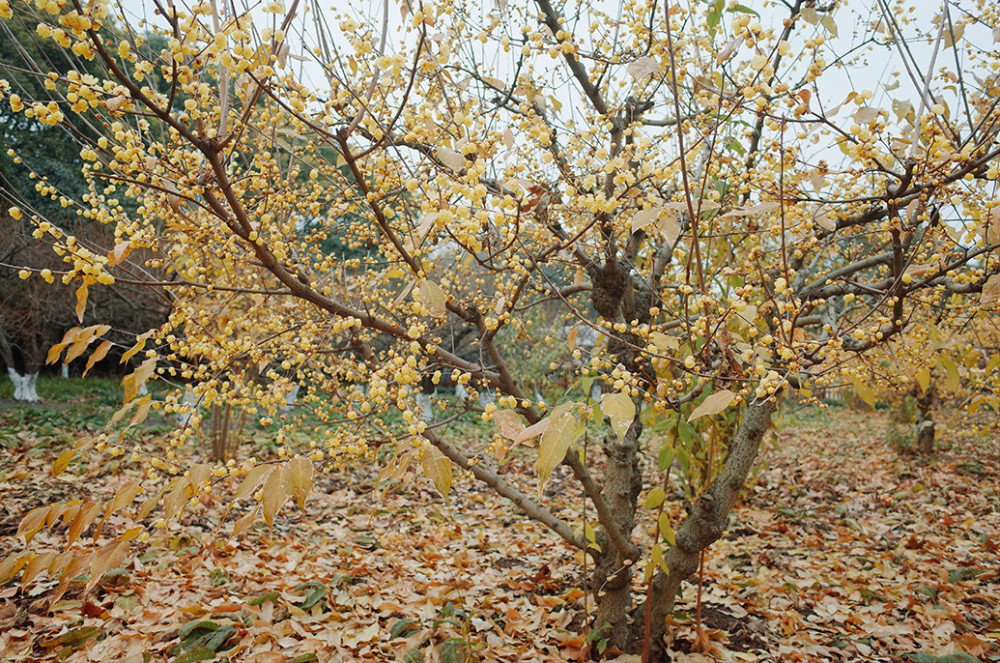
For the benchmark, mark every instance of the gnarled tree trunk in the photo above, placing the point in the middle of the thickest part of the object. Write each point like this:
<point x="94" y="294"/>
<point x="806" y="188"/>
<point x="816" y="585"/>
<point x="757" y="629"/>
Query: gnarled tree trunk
<point x="704" y="525"/>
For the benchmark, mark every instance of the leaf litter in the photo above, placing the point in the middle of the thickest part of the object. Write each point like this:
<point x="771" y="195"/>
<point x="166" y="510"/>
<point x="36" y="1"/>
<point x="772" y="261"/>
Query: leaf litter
<point x="844" y="550"/>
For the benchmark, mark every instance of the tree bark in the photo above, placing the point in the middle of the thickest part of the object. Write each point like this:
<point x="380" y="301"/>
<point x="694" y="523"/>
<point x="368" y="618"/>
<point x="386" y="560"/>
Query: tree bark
<point x="705" y="524"/>
<point x="925" y="421"/>
<point x="612" y="577"/>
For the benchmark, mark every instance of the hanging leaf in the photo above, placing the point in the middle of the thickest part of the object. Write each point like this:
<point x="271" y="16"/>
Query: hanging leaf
<point x="655" y="498"/>
<point x="948" y="364"/>
<point x="620" y="409"/>
<point x="450" y="158"/>
<point x="508" y="423"/>
<point x="923" y="376"/>
<point x="714" y="404"/>
<point x="991" y="291"/>
<point x="556" y="440"/>
<point x="274" y="495"/>
<point x="100" y="353"/>
<point x="864" y="391"/>
<point x="666" y="531"/>
<point x="437" y="468"/>
<point x="432" y="296"/>
<point x="642" y="67"/>
<point x="644" y="217"/>
<point x="298" y="479"/>
<point x="81" y="299"/>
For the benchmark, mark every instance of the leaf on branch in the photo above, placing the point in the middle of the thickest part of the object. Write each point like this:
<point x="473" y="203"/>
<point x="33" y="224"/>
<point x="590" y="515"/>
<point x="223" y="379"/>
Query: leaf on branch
<point x="948" y="364"/>
<point x="864" y="391"/>
<point x="508" y="423"/>
<point x="508" y="138"/>
<point x="140" y="343"/>
<point x="923" y="376"/>
<point x="32" y="522"/>
<point x="437" y="468"/>
<point x="274" y="495"/>
<point x="644" y="217"/>
<point x="830" y="25"/>
<point x="714" y="404"/>
<point x="81" y="299"/>
<point x="298" y="479"/>
<point x="432" y="296"/>
<point x="952" y="36"/>
<point x="991" y="227"/>
<point x="866" y="114"/>
<point x="642" y="67"/>
<point x="250" y="482"/>
<point x="119" y="253"/>
<point x="728" y="51"/>
<point x="620" y="409"/>
<point x="133" y="382"/>
<point x="809" y="15"/>
<point x="655" y="497"/>
<point x="991" y="291"/>
<point x="244" y="523"/>
<point x="759" y="208"/>
<point x="100" y="353"/>
<point x="450" y="158"/>
<point x="552" y="449"/>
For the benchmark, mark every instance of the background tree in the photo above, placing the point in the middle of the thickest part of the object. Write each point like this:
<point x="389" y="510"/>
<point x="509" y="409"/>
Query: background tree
<point x="734" y="226"/>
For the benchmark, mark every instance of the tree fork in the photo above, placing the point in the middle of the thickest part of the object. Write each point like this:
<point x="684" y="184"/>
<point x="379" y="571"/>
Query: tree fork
<point x="704" y="525"/>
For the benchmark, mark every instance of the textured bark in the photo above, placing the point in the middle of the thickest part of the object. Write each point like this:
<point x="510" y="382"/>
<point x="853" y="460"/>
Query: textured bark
<point x="925" y="421"/>
<point x="611" y="582"/>
<point x="706" y="522"/>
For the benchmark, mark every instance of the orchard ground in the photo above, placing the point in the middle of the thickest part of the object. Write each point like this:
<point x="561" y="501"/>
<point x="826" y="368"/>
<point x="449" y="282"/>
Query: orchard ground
<point x="845" y="548"/>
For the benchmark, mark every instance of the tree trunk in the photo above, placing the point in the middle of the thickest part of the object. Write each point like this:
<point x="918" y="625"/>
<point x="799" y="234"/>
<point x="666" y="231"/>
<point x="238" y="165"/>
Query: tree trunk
<point x="704" y="525"/>
<point x="612" y="577"/>
<point x="925" y="421"/>
<point x="24" y="386"/>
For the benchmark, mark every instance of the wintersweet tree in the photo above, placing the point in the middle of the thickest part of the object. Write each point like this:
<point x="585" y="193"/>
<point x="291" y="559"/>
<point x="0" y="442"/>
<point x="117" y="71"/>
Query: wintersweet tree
<point x="337" y="198"/>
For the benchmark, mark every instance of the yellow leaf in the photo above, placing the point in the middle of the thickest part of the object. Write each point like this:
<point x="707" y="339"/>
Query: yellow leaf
<point x="81" y="300"/>
<point x="141" y="410"/>
<point x="100" y="353"/>
<point x="10" y="566"/>
<point x="251" y="481"/>
<point x="620" y="409"/>
<point x="948" y="364"/>
<point x="298" y="478"/>
<point x="244" y="523"/>
<point x="124" y="496"/>
<point x="508" y="423"/>
<point x="140" y="343"/>
<point x="432" y="296"/>
<point x="36" y="565"/>
<point x="132" y="382"/>
<point x="923" y="376"/>
<point x="274" y="496"/>
<point x="666" y="531"/>
<point x="864" y="391"/>
<point x="62" y="462"/>
<point x="105" y="559"/>
<point x="437" y="468"/>
<point x="714" y="404"/>
<point x="655" y="497"/>
<point x="57" y="349"/>
<point x="991" y="291"/>
<point x="32" y="522"/>
<point x="119" y="253"/>
<point x="556" y="439"/>
<point x="178" y="496"/>
<point x="86" y="515"/>
<point x="148" y="505"/>
<point x="532" y="431"/>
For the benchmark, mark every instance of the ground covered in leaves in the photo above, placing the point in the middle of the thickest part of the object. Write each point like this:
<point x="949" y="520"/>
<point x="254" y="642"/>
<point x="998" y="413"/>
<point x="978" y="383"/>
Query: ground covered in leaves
<point x="844" y="550"/>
